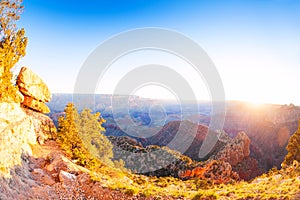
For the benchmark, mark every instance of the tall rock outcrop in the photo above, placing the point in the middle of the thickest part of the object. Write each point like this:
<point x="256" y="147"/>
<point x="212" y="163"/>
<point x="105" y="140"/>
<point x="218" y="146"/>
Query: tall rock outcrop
<point x="20" y="129"/>
<point x="237" y="153"/>
<point x="162" y="161"/>
<point x="34" y="89"/>
<point x="235" y="149"/>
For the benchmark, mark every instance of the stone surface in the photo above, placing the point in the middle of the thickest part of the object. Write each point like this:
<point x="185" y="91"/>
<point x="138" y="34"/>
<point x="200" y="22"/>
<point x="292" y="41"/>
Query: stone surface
<point x="19" y="97"/>
<point x="217" y="171"/>
<point x="162" y="161"/>
<point x="44" y="127"/>
<point x="66" y="177"/>
<point x="32" y="85"/>
<point x="18" y="132"/>
<point x="248" y="168"/>
<point x="43" y="177"/>
<point x="16" y="135"/>
<point x="235" y="150"/>
<point x="35" y="105"/>
<point x="60" y="162"/>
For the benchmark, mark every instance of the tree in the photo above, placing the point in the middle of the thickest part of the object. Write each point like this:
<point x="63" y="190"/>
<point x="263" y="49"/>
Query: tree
<point x="68" y="135"/>
<point x="90" y="132"/>
<point x="293" y="148"/>
<point x="12" y="47"/>
<point x="81" y="138"/>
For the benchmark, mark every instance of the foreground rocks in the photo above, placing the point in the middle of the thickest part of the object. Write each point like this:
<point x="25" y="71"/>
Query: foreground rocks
<point x="19" y="130"/>
<point x="35" y="91"/>
<point x="48" y="174"/>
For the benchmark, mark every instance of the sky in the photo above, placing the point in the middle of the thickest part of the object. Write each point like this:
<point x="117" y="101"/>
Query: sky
<point x="255" y="45"/>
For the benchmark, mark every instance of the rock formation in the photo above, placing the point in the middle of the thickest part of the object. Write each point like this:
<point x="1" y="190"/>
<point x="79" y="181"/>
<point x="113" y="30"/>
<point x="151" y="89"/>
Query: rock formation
<point x="217" y="171"/>
<point x="35" y="105"/>
<point x="162" y="161"/>
<point x="35" y="91"/>
<point x="237" y="153"/>
<point x="268" y="126"/>
<point x="235" y="150"/>
<point x="19" y="130"/>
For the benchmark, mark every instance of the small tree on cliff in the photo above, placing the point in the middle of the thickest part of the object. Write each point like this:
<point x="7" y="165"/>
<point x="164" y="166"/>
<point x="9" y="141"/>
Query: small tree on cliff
<point x="90" y="132"/>
<point x="12" y="47"/>
<point x="68" y="135"/>
<point x="293" y="148"/>
<point x="80" y="136"/>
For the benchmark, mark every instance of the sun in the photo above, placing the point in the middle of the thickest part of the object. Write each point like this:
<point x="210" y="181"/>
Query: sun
<point x="256" y="105"/>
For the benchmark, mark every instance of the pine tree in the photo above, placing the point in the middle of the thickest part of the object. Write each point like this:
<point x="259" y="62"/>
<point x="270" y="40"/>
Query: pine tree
<point x="81" y="138"/>
<point x="293" y="148"/>
<point x="91" y="134"/>
<point x="68" y="135"/>
<point x="12" y="47"/>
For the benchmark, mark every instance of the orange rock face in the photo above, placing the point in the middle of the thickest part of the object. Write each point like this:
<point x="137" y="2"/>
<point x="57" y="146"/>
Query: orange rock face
<point x="35" y="105"/>
<point x="217" y="171"/>
<point x="235" y="150"/>
<point x="32" y="85"/>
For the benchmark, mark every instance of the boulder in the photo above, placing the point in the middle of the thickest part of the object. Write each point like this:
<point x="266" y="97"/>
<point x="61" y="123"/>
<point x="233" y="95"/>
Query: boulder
<point x="66" y="177"/>
<point x="43" y="177"/>
<point x="32" y="85"/>
<point x="35" y="105"/>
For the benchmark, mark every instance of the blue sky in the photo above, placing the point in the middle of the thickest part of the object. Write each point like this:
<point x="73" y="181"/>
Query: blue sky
<point x="255" y="45"/>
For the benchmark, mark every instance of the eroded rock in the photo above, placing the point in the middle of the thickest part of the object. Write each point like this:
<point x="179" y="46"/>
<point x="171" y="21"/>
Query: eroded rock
<point x="16" y="135"/>
<point x="35" y="105"/>
<point x="30" y="84"/>
<point x="235" y="150"/>
<point x="217" y="171"/>
<point x="19" y="129"/>
<point x="66" y="177"/>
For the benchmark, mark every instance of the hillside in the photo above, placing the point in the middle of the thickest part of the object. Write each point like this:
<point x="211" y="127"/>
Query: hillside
<point x="48" y="174"/>
<point x="33" y="164"/>
<point x="44" y="172"/>
<point x="268" y="126"/>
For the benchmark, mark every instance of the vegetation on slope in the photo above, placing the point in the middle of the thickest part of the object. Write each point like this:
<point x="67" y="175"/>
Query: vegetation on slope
<point x="12" y="48"/>
<point x="293" y="148"/>
<point x="81" y="138"/>
<point x="277" y="184"/>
